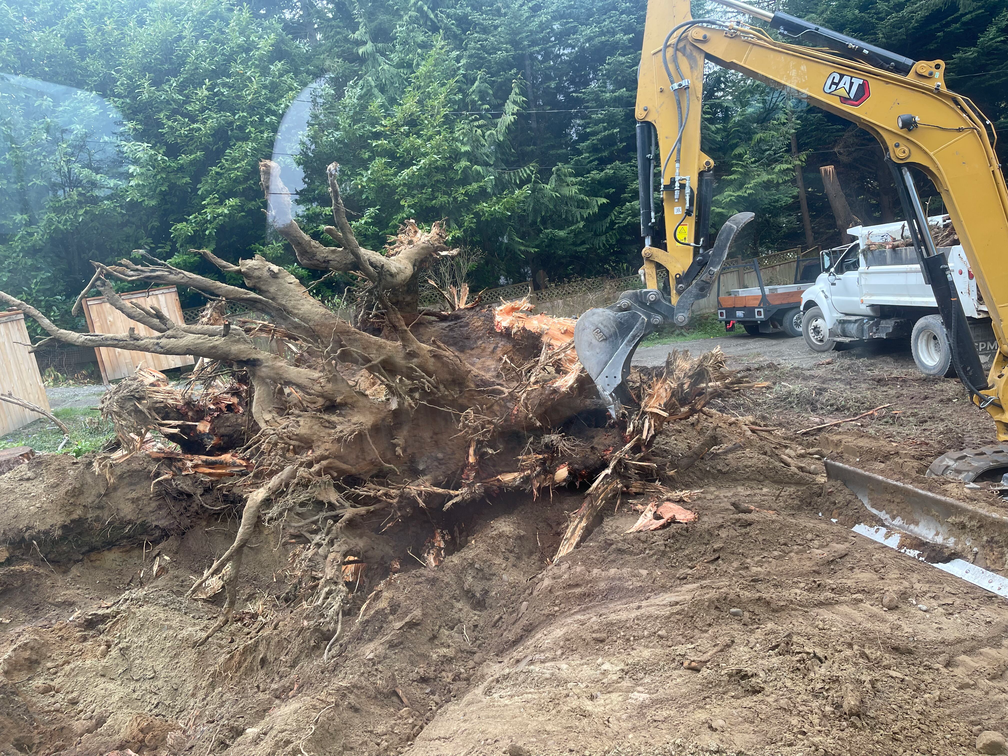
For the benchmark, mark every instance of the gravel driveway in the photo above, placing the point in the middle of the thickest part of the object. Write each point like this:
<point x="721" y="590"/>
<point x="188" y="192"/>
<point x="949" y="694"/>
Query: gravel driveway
<point x="777" y="348"/>
<point x="61" y="397"/>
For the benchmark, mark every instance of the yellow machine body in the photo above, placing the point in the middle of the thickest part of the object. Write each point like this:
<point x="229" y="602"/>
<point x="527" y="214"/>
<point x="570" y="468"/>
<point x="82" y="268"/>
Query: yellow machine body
<point x="951" y="142"/>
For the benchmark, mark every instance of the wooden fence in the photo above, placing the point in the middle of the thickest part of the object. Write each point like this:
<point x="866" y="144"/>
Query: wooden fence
<point x="104" y="318"/>
<point x="19" y="373"/>
<point x="571" y="299"/>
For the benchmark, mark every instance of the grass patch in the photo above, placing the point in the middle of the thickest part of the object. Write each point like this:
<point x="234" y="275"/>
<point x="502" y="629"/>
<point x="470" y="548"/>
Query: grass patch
<point x="702" y="327"/>
<point x="88" y="432"/>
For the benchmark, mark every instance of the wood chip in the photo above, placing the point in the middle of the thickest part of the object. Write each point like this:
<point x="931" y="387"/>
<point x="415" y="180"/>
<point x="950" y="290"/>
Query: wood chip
<point x="659" y="515"/>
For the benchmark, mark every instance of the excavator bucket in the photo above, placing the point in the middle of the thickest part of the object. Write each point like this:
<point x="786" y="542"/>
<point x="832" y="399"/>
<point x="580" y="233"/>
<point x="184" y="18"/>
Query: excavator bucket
<point x="606" y="338"/>
<point x="605" y="341"/>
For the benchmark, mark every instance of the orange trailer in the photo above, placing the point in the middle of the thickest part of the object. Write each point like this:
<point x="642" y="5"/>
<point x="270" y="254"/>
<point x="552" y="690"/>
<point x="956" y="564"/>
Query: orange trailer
<point x="762" y="308"/>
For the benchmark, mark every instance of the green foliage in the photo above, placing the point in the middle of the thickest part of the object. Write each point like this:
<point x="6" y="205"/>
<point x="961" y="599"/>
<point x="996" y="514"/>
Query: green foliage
<point x="199" y="89"/>
<point x="485" y="114"/>
<point x="510" y="119"/>
<point x="747" y="131"/>
<point x="88" y="433"/>
<point x="61" y="184"/>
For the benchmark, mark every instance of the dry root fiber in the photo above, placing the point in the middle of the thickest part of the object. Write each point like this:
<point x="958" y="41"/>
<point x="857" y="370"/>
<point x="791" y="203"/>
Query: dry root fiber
<point x="340" y="434"/>
<point x="336" y="519"/>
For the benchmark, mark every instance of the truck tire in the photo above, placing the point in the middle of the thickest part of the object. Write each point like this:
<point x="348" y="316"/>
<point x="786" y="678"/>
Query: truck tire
<point x="791" y="322"/>
<point x="815" y="331"/>
<point x="752" y="329"/>
<point x="930" y="346"/>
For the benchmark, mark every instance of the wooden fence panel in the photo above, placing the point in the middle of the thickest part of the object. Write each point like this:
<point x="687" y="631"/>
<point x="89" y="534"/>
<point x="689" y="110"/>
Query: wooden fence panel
<point x="19" y="373"/>
<point x="104" y="318"/>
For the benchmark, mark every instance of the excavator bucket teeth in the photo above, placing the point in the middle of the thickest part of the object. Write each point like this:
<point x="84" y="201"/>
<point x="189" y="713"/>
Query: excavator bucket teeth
<point x="605" y="341"/>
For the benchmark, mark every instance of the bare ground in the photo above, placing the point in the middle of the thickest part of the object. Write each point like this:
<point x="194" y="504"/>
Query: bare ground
<point x="760" y="633"/>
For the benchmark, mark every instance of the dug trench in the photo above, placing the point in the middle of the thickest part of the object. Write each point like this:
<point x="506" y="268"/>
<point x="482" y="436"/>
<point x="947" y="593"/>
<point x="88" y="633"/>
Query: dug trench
<point x="762" y="627"/>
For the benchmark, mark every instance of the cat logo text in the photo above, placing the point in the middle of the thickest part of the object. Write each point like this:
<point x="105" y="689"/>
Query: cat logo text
<point x="850" y="89"/>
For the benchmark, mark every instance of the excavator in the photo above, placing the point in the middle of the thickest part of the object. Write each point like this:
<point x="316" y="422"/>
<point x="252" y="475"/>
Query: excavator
<point x="921" y="125"/>
<point x="902" y="102"/>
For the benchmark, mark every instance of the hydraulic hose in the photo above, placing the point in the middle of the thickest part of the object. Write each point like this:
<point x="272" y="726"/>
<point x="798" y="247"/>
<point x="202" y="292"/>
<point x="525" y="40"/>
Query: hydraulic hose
<point x="682" y="117"/>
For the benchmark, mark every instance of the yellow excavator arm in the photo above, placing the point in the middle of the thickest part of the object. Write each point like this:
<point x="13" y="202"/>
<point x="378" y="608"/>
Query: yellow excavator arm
<point x="903" y="103"/>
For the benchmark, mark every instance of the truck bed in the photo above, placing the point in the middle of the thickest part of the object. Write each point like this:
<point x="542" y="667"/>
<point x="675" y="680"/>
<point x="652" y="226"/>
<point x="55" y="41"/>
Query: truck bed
<point x="893" y="277"/>
<point x="751" y="296"/>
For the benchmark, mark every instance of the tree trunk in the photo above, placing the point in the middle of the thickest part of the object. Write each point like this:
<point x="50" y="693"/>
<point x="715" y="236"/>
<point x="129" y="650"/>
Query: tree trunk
<point x="838" y="202"/>
<point x="886" y="190"/>
<point x="531" y="95"/>
<point x="802" y="199"/>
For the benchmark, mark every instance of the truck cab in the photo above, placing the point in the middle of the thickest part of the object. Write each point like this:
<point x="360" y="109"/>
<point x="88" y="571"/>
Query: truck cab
<point x="873" y="288"/>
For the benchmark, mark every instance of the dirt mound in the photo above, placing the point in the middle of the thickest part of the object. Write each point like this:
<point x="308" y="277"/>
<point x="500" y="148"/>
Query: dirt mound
<point x="764" y="627"/>
<point x="62" y="508"/>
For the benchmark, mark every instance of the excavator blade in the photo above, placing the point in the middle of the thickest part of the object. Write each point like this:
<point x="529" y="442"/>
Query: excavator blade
<point x="958" y="538"/>
<point x="606" y="338"/>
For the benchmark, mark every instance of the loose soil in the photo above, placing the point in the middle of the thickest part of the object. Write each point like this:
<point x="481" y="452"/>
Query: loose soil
<point x="748" y="633"/>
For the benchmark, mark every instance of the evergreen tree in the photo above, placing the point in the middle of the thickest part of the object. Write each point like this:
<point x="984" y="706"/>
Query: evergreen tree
<point x="512" y="120"/>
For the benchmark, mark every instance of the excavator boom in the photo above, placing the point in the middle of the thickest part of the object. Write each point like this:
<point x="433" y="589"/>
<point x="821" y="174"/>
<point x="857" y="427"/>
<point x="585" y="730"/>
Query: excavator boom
<point x="903" y="103"/>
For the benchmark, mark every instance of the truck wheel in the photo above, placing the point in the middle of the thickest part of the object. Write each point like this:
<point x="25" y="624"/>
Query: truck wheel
<point x="792" y="322"/>
<point x="931" y="348"/>
<point x="752" y="328"/>
<point x="815" y="331"/>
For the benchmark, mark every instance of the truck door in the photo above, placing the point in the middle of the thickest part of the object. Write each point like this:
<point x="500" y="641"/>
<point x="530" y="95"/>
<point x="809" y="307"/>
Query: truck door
<point x="844" y="284"/>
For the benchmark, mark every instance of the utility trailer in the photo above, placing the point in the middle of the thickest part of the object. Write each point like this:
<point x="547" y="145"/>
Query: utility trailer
<point x="762" y="308"/>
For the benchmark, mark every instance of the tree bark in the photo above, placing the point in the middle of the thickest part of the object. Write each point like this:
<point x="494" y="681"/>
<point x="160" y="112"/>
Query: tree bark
<point x="838" y="201"/>
<point x="802" y="199"/>
<point x="886" y="190"/>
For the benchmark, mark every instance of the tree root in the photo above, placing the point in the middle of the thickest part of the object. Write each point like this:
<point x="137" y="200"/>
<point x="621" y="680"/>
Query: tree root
<point x="230" y="563"/>
<point x="339" y="627"/>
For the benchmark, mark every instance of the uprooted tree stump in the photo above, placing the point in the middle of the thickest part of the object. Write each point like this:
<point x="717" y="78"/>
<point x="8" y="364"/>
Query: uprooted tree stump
<point x="339" y="431"/>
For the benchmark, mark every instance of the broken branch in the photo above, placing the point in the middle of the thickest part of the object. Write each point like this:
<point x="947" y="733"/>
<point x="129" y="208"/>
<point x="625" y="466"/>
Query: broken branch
<point x="18" y="402"/>
<point x="845" y="420"/>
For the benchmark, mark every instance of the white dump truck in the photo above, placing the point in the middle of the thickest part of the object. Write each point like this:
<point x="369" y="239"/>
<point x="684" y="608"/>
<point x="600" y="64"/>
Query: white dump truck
<point x="873" y="288"/>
